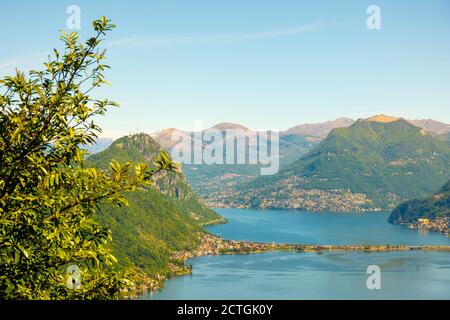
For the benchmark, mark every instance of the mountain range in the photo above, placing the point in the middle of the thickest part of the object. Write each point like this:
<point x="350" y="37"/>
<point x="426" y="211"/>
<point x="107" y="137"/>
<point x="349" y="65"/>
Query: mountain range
<point x="205" y="178"/>
<point x="374" y="164"/>
<point x="312" y="132"/>
<point x="294" y="143"/>
<point x="229" y="180"/>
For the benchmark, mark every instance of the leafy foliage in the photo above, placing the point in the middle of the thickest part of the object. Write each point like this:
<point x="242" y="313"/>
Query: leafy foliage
<point x="48" y="198"/>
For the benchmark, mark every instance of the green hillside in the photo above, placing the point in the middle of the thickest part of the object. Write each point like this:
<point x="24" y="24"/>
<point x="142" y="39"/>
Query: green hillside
<point x="370" y="165"/>
<point x="432" y="208"/>
<point x="159" y="220"/>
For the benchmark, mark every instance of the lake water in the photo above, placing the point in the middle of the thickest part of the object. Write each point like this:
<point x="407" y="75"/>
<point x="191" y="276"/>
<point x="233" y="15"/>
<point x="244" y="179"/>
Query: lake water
<point x="282" y="226"/>
<point x="329" y="275"/>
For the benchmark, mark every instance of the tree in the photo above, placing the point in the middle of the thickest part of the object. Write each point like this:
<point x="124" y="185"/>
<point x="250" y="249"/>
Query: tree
<point x="48" y="198"/>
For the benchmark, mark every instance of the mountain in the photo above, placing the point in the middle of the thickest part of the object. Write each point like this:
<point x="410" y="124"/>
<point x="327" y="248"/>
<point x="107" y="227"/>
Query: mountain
<point x="205" y="178"/>
<point x="160" y="219"/>
<point x="99" y="145"/>
<point x="316" y="132"/>
<point x="435" y="208"/>
<point x="432" y="126"/>
<point x="165" y="137"/>
<point x="229" y="126"/>
<point x="375" y="163"/>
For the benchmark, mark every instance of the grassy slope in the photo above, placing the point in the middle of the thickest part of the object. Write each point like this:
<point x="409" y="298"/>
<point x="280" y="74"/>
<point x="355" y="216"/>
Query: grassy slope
<point x="160" y="219"/>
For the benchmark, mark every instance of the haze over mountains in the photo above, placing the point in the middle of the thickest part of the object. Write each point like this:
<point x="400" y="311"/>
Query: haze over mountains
<point x="317" y="131"/>
<point x="301" y="137"/>
<point x="344" y="160"/>
<point x="374" y="164"/>
<point x="313" y="132"/>
<point x="295" y="142"/>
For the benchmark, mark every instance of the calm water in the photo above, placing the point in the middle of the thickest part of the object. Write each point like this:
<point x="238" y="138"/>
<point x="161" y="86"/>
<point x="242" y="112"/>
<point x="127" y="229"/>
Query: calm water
<point x="319" y="228"/>
<point x="330" y="275"/>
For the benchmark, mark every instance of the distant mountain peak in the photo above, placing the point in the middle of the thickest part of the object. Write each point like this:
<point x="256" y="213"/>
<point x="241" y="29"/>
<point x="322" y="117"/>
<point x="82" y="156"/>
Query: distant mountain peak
<point x="318" y="131"/>
<point x="141" y="142"/>
<point x="343" y="120"/>
<point x="229" y="126"/>
<point x="138" y="137"/>
<point x="432" y="126"/>
<point x="383" y="118"/>
<point x="167" y="132"/>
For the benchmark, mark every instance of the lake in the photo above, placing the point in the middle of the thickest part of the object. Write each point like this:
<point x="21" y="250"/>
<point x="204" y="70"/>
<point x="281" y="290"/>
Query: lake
<point x="328" y="275"/>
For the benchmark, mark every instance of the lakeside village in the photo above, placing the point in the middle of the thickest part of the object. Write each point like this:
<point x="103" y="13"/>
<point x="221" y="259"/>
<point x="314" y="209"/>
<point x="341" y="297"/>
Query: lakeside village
<point x="441" y="224"/>
<point x="213" y="245"/>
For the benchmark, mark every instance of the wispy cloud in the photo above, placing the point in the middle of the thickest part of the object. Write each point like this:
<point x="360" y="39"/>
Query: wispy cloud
<point x="10" y="63"/>
<point x="280" y="33"/>
<point x="149" y="41"/>
<point x="32" y="60"/>
<point x="27" y="61"/>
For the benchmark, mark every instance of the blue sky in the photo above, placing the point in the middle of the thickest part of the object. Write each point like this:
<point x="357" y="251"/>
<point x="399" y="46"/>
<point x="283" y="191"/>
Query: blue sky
<point x="264" y="64"/>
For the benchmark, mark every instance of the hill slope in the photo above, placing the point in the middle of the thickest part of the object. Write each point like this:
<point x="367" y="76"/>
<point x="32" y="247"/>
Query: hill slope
<point x="374" y="164"/>
<point x="435" y="208"/>
<point x="159" y="220"/>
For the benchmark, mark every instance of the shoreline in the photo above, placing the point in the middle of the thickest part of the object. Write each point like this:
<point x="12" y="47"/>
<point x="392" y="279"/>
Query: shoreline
<point x="440" y="225"/>
<point x="214" y="245"/>
<point x="221" y="220"/>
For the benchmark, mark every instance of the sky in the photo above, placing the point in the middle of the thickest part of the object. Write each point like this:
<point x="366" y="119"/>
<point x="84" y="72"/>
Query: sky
<point x="263" y="64"/>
